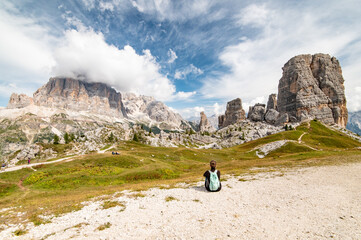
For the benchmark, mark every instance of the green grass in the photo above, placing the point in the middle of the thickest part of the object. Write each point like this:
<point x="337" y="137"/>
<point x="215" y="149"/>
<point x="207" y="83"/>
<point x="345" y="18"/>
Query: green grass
<point x="104" y="226"/>
<point x="61" y="187"/>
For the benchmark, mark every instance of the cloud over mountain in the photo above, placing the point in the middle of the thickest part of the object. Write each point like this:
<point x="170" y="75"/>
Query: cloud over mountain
<point x="85" y="54"/>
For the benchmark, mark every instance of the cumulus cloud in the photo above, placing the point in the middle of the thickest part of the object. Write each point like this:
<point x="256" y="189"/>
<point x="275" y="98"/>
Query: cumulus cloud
<point x="191" y="69"/>
<point x="218" y="109"/>
<point x="190" y="112"/>
<point x="182" y="96"/>
<point x="24" y="44"/>
<point x="85" y="54"/>
<point x="277" y="35"/>
<point x="172" y="56"/>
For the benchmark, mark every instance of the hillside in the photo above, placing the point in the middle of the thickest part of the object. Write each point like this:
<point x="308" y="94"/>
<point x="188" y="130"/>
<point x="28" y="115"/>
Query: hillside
<point x="52" y="189"/>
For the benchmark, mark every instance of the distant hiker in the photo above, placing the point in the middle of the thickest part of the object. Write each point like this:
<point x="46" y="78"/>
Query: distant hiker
<point x="28" y="160"/>
<point x="213" y="176"/>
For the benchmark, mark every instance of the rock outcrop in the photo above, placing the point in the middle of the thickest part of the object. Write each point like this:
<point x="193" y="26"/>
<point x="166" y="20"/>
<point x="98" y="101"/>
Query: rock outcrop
<point x="19" y="101"/>
<point x="79" y="95"/>
<point x="272" y="102"/>
<point x="147" y="109"/>
<point x="204" y="124"/>
<point x="271" y="116"/>
<point x="234" y="113"/>
<point x="257" y="112"/>
<point x="312" y="87"/>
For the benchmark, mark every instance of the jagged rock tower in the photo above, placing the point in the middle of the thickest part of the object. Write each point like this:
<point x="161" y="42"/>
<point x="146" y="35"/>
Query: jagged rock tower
<point x="204" y="124"/>
<point x="234" y="113"/>
<point x="312" y="87"/>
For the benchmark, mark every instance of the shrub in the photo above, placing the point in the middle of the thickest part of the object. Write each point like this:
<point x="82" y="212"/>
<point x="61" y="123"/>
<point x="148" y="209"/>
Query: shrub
<point x="56" y="139"/>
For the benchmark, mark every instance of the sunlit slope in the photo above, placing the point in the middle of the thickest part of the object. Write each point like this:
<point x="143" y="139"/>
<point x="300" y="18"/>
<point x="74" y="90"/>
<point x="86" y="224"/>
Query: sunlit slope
<point x="63" y="185"/>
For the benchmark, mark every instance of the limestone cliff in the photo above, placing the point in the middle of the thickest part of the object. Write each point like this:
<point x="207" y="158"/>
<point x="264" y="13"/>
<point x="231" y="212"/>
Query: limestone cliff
<point x="205" y="125"/>
<point x="234" y="113"/>
<point x="312" y="87"/>
<point x="79" y="95"/>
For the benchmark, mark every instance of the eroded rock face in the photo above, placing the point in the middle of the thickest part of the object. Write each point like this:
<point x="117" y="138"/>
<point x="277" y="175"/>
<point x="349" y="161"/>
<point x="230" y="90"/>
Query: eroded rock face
<point x="78" y="95"/>
<point x="19" y="101"/>
<point x="312" y="87"/>
<point x="271" y="116"/>
<point x="204" y="124"/>
<point x="257" y="112"/>
<point x="234" y="113"/>
<point x="272" y="102"/>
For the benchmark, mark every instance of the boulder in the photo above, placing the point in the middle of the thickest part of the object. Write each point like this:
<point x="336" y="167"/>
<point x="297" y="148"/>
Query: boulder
<point x="282" y="119"/>
<point x="257" y="112"/>
<point x="271" y="116"/>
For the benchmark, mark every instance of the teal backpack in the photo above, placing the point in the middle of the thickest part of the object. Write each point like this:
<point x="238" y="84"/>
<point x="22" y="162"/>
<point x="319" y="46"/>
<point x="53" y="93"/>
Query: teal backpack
<point x="213" y="181"/>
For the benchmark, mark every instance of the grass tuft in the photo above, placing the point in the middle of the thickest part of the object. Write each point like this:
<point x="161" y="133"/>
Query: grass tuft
<point x="104" y="226"/>
<point x="20" y="232"/>
<point x="170" y="198"/>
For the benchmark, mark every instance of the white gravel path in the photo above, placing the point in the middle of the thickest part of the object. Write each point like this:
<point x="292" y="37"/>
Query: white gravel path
<point x="310" y="203"/>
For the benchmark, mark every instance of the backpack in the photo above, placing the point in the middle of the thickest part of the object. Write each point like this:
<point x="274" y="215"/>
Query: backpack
<point x="213" y="181"/>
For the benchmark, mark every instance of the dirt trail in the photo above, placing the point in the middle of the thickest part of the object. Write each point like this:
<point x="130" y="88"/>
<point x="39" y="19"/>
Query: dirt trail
<point x="64" y="159"/>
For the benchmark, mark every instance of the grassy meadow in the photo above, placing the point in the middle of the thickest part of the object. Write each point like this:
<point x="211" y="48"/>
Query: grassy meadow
<point x="60" y="187"/>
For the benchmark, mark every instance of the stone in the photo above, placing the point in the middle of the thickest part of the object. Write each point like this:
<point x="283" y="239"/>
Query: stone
<point x="271" y="116"/>
<point x="77" y="95"/>
<point x="204" y="124"/>
<point x="19" y="101"/>
<point x="234" y="113"/>
<point x="272" y="102"/>
<point x="282" y="119"/>
<point x="257" y="112"/>
<point x="312" y="87"/>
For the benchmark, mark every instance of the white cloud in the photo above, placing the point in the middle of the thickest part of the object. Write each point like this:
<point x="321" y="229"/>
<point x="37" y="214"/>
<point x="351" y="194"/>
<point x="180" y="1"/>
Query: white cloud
<point x="106" y="6"/>
<point x="6" y="89"/>
<point x="24" y="44"/>
<point x="172" y="56"/>
<point x="256" y="15"/>
<point x="89" y="4"/>
<point x="191" y="112"/>
<point x="85" y="54"/>
<point x="191" y="69"/>
<point x="173" y="10"/>
<point x="255" y="62"/>
<point x="182" y="96"/>
<point x="218" y="109"/>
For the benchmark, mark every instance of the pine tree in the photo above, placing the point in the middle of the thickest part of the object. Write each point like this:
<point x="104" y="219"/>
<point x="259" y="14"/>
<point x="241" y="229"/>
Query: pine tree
<point x="72" y="137"/>
<point x="135" y="137"/>
<point x="286" y="127"/>
<point x="111" y="137"/>
<point x="66" y="138"/>
<point x="56" y="139"/>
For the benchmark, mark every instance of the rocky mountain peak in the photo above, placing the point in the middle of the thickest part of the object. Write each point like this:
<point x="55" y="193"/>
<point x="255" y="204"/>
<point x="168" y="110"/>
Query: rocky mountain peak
<point x="19" y="101"/>
<point x="312" y="87"/>
<point x="204" y="124"/>
<point x="234" y="113"/>
<point x="77" y="95"/>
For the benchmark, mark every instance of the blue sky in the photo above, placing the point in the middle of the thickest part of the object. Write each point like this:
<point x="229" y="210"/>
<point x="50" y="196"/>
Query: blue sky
<point x="193" y="55"/>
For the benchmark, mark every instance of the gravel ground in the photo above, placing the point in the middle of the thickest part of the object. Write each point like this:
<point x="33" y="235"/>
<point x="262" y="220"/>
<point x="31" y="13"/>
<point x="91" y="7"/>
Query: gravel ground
<point x="308" y="203"/>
